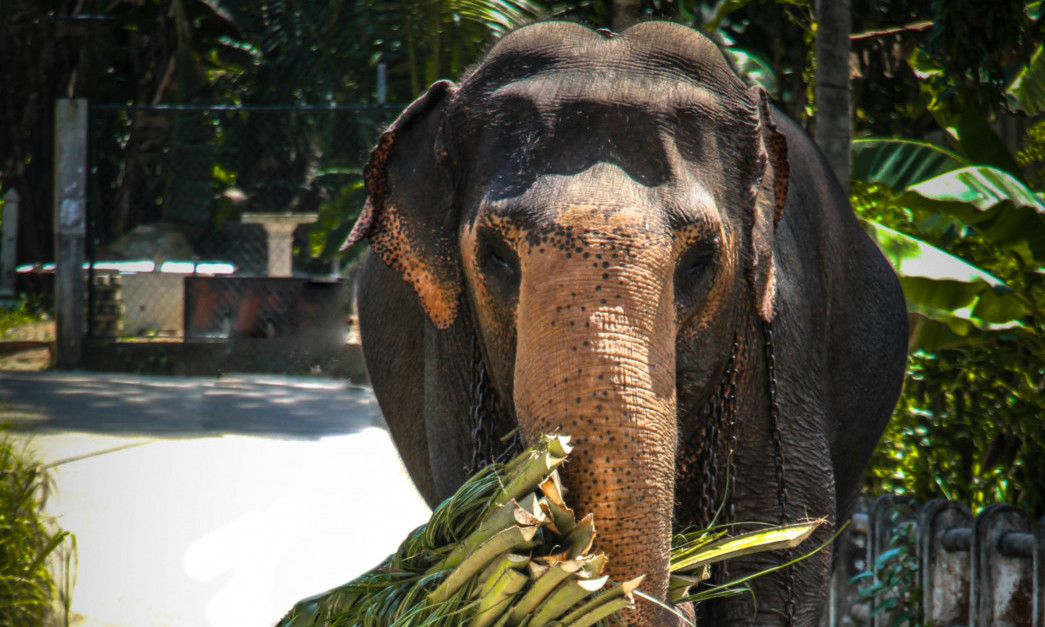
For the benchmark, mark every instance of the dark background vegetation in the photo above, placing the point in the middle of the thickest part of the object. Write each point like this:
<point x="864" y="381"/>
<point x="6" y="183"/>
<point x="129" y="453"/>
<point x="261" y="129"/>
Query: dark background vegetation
<point x="940" y="73"/>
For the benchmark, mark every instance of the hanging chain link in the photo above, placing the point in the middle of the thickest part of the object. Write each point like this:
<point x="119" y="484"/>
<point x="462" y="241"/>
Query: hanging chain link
<point x="720" y="431"/>
<point x="778" y="449"/>
<point x="483" y="451"/>
<point x="484" y="409"/>
<point x="709" y="461"/>
<point x="728" y="421"/>
<point x="730" y="411"/>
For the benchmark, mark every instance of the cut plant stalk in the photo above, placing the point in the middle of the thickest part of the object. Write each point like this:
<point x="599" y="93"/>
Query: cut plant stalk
<point x="679" y="585"/>
<point x="528" y="476"/>
<point x="624" y="590"/>
<point x="496" y="599"/>
<point x="603" y="611"/>
<point x="563" y="518"/>
<point x="581" y="537"/>
<point x="493" y="572"/>
<point x="568" y="594"/>
<point x="541" y="588"/>
<point x="557" y="445"/>
<point x="508" y="540"/>
<point x="785" y="537"/>
<point x="510" y="514"/>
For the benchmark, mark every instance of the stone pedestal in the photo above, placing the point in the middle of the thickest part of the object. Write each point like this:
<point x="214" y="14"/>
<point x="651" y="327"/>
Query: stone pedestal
<point x="280" y="230"/>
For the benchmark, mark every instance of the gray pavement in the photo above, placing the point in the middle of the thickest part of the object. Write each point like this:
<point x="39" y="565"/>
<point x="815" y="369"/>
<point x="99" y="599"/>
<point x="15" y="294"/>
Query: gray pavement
<point x="212" y="502"/>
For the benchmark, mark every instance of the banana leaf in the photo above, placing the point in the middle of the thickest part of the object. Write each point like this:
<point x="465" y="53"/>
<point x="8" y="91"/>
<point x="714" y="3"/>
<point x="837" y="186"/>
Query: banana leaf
<point x="900" y="163"/>
<point x="992" y="201"/>
<point x="1027" y="91"/>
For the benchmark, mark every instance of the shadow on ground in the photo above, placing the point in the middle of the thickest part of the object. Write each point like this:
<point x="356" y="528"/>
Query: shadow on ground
<point x="184" y="407"/>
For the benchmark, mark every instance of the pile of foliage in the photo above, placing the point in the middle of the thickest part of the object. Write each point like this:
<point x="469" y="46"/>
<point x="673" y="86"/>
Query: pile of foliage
<point x="27" y="539"/>
<point x="506" y="550"/>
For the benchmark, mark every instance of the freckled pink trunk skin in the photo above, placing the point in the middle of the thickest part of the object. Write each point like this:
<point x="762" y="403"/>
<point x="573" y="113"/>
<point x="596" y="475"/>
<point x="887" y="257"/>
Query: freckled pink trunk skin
<point x="595" y="360"/>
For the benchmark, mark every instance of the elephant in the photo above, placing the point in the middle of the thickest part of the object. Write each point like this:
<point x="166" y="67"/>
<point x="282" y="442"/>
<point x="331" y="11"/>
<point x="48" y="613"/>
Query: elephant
<point x="615" y="237"/>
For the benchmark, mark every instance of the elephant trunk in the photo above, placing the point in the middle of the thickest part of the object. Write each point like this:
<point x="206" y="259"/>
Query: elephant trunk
<point x="595" y="359"/>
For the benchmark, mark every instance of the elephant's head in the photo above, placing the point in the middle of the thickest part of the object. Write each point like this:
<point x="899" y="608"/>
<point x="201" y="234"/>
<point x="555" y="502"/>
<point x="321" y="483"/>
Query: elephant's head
<point x="602" y="210"/>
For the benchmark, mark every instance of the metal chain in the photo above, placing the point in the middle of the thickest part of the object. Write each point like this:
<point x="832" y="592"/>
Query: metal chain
<point x="709" y="463"/>
<point x="719" y="432"/>
<point x="478" y="424"/>
<point x="731" y="430"/>
<point x="778" y="449"/>
<point x="484" y="409"/>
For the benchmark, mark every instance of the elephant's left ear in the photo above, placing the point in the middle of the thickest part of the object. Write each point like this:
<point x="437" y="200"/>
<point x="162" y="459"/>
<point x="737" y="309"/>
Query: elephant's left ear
<point x="771" y="196"/>
<point x="409" y="217"/>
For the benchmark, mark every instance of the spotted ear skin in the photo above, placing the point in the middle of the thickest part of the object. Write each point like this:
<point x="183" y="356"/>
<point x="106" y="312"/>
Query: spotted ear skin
<point x="771" y="198"/>
<point x="409" y="215"/>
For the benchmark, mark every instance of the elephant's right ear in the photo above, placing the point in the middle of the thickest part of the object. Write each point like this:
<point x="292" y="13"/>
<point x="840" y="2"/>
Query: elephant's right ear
<point x="408" y="216"/>
<point x="771" y="197"/>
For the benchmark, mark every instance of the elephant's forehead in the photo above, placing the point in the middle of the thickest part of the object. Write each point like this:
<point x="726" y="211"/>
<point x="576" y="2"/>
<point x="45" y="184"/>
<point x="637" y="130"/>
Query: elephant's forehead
<point x="659" y="132"/>
<point x="653" y="50"/>
<point x="551" y="91"/>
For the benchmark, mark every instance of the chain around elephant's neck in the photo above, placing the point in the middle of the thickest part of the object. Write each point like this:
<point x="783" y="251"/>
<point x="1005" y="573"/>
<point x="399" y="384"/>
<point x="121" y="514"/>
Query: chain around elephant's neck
<point x="778" y="455"/>
<point x="720" y="418"/>
<point x="484" y="410"/>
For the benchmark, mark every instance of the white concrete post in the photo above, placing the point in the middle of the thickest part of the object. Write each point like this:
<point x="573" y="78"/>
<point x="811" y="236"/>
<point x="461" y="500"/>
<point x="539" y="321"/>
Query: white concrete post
<point x="70" y="227"/>
<point x="280" y="227"/>
<point x="9" y="245"/>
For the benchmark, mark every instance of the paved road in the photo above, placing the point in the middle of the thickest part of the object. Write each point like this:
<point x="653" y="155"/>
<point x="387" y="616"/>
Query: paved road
<point x="212" y="502"/>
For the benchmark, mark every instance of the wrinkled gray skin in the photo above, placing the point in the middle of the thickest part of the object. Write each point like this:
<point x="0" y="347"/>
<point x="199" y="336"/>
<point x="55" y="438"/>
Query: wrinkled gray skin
<point x="605" y="214"/>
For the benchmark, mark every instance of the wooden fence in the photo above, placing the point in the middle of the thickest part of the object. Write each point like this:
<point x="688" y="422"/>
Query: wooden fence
<point x="987" y="570"/>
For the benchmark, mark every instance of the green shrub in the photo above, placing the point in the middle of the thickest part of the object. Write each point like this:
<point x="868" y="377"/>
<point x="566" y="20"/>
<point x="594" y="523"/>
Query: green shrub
<point x="14" y="316"/>
<point x="27" y="538"/>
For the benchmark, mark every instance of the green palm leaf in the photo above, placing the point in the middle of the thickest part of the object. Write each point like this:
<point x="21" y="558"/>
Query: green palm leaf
<point x="900" y="163"/>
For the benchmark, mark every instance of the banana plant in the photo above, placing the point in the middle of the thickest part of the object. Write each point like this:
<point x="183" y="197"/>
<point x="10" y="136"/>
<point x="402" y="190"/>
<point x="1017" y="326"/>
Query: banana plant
<point x="952" y="301"/>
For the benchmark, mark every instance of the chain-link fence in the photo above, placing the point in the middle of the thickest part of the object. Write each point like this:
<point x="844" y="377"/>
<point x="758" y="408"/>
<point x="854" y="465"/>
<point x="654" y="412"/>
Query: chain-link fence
<point x="221" y="221"/>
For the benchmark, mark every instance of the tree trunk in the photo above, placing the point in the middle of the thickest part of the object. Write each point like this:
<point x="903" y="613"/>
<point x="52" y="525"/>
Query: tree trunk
<point x="625" y="13"/>
<point x="833" y="121"/>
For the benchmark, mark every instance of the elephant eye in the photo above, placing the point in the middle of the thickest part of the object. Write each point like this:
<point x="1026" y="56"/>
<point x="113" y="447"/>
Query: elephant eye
<point x="497" y="260"/>
<point x="501" y="267"/>
<point x="692" y="269"/>
<point x="699" y="263"/>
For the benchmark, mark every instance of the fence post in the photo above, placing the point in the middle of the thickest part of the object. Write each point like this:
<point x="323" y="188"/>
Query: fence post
<point x="1001" y="583"/>
<point x="944" y="570"/>
<point x="70" y="221"/>
<point x="9" y="247"/>
<point x="382" y="83"/>
<point x="1039" y="574"/>
<point x="844" y="606"/>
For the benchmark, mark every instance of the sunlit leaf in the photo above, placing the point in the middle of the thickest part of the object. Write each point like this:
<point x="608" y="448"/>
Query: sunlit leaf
<point x="1027" y="91"/>
<point x="970" y="131"/>
<point x="783" y="537"/>
<point x="750" y="65"/>
<point x="993" y="202"/>
<point x="722" y="9"/>
<point x="911" y="257"/>
<point x="954" y="298"/>
<point x="899" y="163"/>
